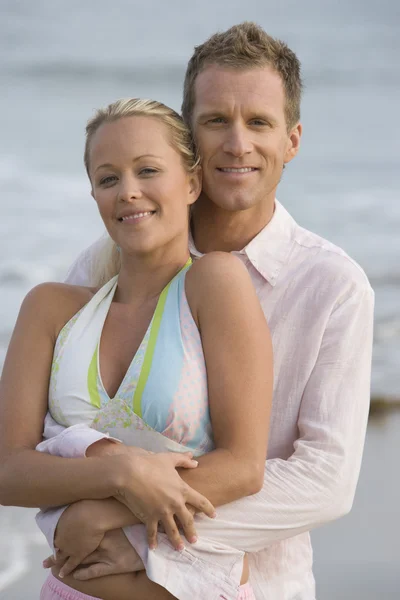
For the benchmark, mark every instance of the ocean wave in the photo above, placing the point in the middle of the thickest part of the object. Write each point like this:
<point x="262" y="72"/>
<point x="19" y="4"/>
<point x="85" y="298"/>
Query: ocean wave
<point x="163" y="74"/>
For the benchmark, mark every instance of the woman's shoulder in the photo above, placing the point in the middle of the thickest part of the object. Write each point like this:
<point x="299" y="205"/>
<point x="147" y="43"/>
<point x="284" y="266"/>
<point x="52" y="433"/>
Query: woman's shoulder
<point x="216" y="276"/>
<point x="55" y="293"/>
<point x="218" y="267"/>
<point x="55" y="303"/>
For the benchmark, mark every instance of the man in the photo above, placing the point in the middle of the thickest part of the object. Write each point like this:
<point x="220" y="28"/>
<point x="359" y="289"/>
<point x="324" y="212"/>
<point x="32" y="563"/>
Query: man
<point x="242" y="100"/>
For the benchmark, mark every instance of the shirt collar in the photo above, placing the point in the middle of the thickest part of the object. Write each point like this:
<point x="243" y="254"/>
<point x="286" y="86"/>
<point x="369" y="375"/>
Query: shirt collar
<point x="269" y="251"/>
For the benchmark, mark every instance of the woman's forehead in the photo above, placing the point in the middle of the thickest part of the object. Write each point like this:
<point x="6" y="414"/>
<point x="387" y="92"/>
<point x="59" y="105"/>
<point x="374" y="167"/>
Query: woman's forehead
<point x="135" y="134"/>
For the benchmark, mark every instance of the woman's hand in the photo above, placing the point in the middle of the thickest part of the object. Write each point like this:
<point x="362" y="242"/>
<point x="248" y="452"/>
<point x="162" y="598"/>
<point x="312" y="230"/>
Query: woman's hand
<point x="155" y="493"/>
<point x="78" y="534"/>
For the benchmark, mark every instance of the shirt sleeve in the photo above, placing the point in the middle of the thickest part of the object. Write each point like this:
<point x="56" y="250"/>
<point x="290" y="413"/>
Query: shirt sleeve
<point x="81" y="271"/>
<point x="67" y="442"/>
<point x="318" y="482"/>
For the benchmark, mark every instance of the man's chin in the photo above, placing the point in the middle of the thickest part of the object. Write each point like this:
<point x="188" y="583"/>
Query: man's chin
<point x="235" y="203"/>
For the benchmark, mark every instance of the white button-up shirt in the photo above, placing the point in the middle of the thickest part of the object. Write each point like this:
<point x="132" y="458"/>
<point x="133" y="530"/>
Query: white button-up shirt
<point x="319" y="307"/>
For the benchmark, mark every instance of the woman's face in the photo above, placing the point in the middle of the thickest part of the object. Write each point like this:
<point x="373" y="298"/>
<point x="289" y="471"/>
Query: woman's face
<point x="140" y="184"/>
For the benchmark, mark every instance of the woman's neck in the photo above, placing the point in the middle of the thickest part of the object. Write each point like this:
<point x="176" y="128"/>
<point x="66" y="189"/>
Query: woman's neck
<point x="143" y="277"/>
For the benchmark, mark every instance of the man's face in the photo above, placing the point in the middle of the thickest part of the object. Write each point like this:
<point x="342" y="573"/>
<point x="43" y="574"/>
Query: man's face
<point x="240" y="129"/>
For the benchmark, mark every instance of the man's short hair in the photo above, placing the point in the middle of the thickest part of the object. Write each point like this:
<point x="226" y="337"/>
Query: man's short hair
<point x="246" y="46"/>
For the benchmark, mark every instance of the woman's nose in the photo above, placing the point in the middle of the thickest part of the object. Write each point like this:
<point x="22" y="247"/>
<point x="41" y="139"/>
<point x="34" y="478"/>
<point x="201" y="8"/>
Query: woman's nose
<point x="129" y="189"/>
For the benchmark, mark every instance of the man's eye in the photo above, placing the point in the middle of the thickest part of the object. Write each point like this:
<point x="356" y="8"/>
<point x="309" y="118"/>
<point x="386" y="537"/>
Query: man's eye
<point x="109" y="179"/>
<point x="217" y="120"/>
<point x="258" y="122"/>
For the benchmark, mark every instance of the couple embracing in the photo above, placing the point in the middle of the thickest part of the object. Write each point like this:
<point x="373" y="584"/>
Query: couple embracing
<point x="194" y="398"/>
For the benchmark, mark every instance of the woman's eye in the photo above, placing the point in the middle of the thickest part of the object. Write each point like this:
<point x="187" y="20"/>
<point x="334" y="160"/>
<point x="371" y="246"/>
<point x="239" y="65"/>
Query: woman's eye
<point x="109" y="179"/>
<point x="148" y="171"/>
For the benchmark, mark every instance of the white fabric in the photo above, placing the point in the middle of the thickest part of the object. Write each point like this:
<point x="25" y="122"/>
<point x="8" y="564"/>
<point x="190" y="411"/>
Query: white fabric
<point x="319" y="306"/>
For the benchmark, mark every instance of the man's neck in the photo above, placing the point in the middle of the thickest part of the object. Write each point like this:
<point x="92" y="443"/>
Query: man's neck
<point x="216" y="229"/>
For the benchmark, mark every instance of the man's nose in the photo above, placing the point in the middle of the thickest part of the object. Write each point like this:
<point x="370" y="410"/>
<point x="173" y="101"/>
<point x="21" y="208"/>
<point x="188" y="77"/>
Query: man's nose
<point x="129" y="189"/>
<point x="237" y="142"/>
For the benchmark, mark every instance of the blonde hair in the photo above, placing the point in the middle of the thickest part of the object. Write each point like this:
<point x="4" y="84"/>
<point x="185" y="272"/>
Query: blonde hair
<point x="246" y="46"/>
<point x="107" y="261"/>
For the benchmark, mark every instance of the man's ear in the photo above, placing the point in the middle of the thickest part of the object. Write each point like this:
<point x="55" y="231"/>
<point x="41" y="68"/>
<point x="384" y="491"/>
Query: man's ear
<point x="293" y="145"/>
<point x="195" y="182"/>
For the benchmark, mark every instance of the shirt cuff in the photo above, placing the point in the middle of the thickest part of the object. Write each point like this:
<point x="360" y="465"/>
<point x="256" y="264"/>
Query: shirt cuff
<point x="73" y="441"/>
<point x="47" y="521"/>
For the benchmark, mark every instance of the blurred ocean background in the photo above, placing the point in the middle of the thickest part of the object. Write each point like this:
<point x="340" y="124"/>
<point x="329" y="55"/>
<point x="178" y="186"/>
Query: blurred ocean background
<point x="61" y="60"/>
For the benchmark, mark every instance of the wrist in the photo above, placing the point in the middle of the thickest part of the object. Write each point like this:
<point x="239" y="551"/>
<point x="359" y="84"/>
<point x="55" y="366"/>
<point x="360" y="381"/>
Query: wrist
<point x="103" y="447"/>
<point x="126" y="473"/>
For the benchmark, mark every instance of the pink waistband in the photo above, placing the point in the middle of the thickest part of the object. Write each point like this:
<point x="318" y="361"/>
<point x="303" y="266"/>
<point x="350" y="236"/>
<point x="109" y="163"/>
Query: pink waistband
<point x="54" y="589"/>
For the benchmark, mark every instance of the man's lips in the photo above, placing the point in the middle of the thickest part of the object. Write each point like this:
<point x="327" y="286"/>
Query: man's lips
<point x="237" y="170"/>
<point x="135" y="216"/>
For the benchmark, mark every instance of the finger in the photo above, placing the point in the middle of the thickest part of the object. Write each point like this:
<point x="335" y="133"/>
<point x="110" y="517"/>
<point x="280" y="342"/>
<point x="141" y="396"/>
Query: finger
<point x="172" y="532"/>
<point x="152" y="528"/>
<point x="186" y="521"/>
<point x="200" y="503"/>
<point x="185" y="460"/>
<point x="92" y="571"/>
<point x="191" y="509"/>
<point x="49" y="562"/>
<point x="69" y="566"/>
<point x="95" y="557"/>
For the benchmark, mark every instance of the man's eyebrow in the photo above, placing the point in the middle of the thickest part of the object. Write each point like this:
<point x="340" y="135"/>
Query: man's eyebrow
<point x="218" y="113"/>
<point x="210" y="114"/>
<point x="110" y="165"/>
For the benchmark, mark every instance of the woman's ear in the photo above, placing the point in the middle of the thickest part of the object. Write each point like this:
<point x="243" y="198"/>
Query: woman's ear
<point x="195" y="181"/>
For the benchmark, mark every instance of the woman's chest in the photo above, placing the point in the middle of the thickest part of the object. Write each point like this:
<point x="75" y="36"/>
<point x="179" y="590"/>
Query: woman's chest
<point x="122" y="335"/>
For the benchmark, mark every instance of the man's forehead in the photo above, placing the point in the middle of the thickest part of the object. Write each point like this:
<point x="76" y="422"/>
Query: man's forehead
<point x="218" y="87"/>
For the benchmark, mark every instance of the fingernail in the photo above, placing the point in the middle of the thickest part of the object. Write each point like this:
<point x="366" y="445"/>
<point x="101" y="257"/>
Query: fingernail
<point x="61" y="575"/>
<point x="214" y="515"/>
<point x="195" y="462"/>
<point x="193" y="540"/>
<point x="152" y="547"/>
<point x="180" y="548"/>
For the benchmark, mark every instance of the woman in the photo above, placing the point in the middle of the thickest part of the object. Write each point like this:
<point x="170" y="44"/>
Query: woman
<point x="190" y="330"/>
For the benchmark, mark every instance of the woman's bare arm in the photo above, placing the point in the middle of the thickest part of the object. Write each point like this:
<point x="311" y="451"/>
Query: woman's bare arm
<point x="238" y="353"/>
<point x="27" y="477"/>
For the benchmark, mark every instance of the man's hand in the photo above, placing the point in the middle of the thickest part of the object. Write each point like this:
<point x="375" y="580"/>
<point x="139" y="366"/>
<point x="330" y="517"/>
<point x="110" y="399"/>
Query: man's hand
<point x="78" y="534"/>
<point x="113" y="556"/>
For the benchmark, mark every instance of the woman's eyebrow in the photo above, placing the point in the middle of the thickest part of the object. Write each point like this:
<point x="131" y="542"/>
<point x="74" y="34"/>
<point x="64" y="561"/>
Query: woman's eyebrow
<point x="110" y="165"/>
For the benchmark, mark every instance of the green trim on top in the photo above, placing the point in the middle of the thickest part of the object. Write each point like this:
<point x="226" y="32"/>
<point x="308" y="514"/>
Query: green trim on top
<point x="148" y="357"/>
<point x="92" y="380"/>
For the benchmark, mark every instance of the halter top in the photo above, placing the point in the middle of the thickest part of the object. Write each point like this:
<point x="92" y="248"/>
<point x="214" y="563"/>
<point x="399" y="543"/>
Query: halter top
<point x="164" y="389"/>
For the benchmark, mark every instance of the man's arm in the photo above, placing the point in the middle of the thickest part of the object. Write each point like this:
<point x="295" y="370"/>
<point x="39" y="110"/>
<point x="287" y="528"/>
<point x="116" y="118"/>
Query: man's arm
<point x="81" y="271"/>
<point x="317" y="483"/>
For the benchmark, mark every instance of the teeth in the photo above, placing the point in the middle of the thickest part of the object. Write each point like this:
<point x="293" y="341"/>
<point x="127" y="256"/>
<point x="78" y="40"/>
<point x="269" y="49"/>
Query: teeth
<point x="136" y="216"/>
<point x="242" y="170"/>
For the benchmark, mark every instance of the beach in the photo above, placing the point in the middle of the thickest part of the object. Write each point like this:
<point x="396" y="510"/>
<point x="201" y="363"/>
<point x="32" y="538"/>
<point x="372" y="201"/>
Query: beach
<point x="61" y="61"/>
